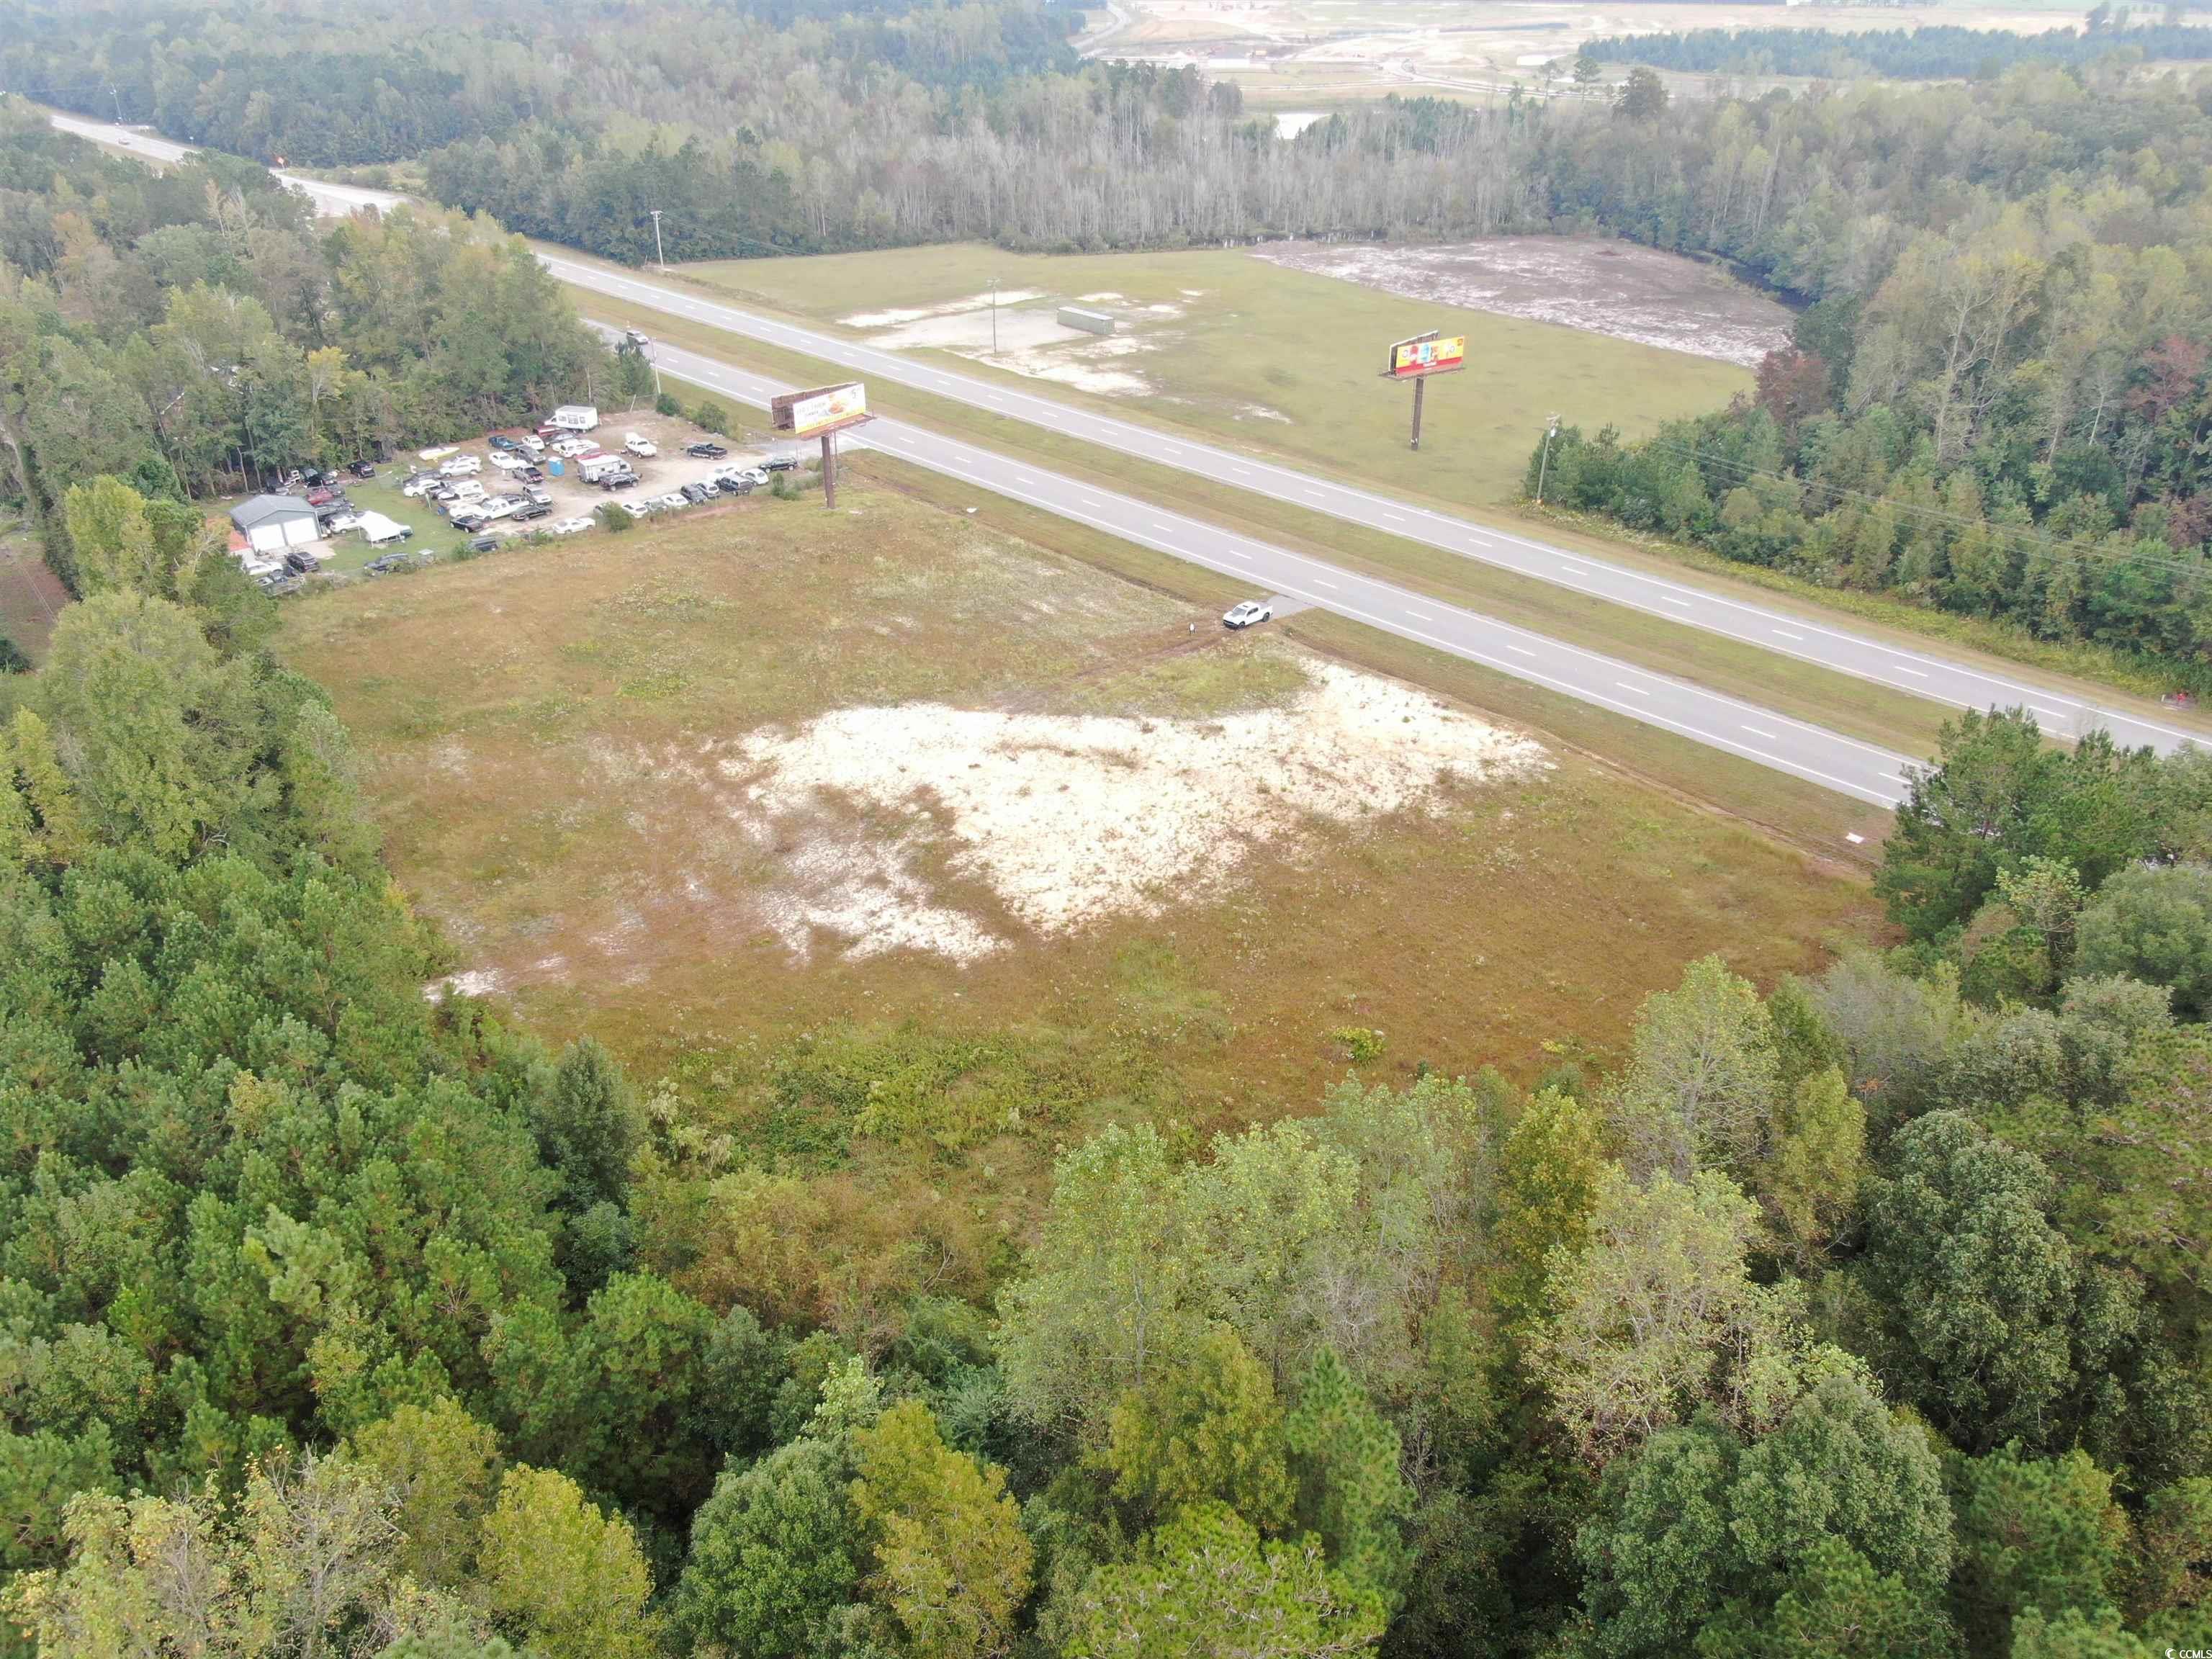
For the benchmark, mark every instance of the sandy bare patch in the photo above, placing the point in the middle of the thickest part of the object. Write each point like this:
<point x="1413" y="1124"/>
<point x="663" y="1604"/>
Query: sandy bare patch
<point x="476" y="982"/>
<point x="1068" y="820"/>
<point x="985" y="302"/>
<point x="1618" y="288"/>
<point x="1029" y="339"/>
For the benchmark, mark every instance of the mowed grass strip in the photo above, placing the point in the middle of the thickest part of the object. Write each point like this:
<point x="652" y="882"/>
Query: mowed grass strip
<point x="535" y="729"/>
<point x="1282" y="363"/>
<point x="1841" y="702"/>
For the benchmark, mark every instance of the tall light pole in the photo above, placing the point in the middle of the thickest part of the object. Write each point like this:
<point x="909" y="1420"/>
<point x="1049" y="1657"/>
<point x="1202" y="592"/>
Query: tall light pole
<point x="994" y="316"/>
<point x="1550" y="431"/>
<point x="659" y="258"/>
<point x="118" y="97"/>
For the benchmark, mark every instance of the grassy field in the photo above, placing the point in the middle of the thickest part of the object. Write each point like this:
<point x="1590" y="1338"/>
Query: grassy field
<point x="1277" y="359"/>
<point x="541" y="735"/>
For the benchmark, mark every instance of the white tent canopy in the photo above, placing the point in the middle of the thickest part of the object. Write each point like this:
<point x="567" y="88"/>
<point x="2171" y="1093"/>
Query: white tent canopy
<point x="380" y="529"/>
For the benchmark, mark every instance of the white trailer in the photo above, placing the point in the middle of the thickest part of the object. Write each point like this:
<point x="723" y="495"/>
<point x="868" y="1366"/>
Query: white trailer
<point x="574" y="417"/>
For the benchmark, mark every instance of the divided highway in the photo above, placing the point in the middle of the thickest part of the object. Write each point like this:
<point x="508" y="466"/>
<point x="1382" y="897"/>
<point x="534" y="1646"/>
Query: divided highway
<point x="1803" y="750"/>
<point x="1784" y="632"/>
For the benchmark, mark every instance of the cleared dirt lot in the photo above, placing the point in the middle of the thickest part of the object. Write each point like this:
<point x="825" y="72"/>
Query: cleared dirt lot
<point x="1618" y="289"/>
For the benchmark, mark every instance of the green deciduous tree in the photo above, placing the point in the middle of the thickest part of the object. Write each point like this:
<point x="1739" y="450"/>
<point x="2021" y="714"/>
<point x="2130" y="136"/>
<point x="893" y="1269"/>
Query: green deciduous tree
<point x="1550" y="1172"/>
<point x="774" y="1552"/>
<point x="1702" y="1077"/>
<point x="1210" y="1428"/>
<point x="442" y="1468"/>
<point x="1975" y="1284"/>
<point x="1204" y="1586"/>
<point x="1656" y="1313"/>
<point x="2153" y="926"/>
<point x="951" y="1561"/>
<point x="1105" y="1299"/>
<point x="562" y="1576"/>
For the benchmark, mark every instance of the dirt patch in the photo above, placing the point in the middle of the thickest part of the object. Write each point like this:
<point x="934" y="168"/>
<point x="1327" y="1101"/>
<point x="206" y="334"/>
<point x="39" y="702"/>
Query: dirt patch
<point x="1617" y="288"/>
<point x="1071" y="819"/>
<point x="1027" y="338"/>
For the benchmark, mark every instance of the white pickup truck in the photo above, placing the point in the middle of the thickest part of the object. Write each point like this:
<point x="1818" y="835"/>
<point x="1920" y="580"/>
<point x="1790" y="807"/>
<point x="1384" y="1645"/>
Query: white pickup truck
<point x="643" y="448"/>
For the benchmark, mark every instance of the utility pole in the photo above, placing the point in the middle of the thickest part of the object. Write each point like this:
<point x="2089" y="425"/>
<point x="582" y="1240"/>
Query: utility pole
<point x="1550" y="431"/>
<point x="1419" y="388"/>
<point x="829" y="471"/>
<point x="994" y="316"/>
<point x="118" y="97"/>
<point x="659" y="258"/>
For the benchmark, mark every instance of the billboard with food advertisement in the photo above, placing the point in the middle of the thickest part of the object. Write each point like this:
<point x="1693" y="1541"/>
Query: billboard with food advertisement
<point x="809" y="414"/>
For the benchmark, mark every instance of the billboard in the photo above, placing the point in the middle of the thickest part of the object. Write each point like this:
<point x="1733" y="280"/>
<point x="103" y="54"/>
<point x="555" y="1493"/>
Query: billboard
<point x="1411" y="359"/>
<point x="809" y="414"/>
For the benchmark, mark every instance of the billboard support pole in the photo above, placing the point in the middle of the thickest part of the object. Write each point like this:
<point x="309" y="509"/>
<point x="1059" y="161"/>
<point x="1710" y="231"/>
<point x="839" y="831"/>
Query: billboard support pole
<point x="829" y="470"/>
<point x="1420" y="386"/>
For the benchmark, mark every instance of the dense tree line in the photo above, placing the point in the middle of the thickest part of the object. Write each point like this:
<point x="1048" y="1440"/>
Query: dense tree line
<point x="195" y="331"/>
<point x="1932" y="52"/>
<point x="1996" y="404"/>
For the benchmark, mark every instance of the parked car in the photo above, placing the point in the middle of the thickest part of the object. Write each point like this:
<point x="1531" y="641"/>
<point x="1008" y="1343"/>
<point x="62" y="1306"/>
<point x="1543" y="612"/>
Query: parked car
<point x="483" y="544"/>
<point x="530" y="510"/>
<point x="506" y="463"/>
<point x="500" y="441"/>
<point x="534" y="443"/>
<point x="321" y="495"/>
<point x="756" y="475"/>
<point x="694" y="492"/>
<point x="709" y="487"/>
<point x="637" y="510"/>
<point x="362" y="469"/>
<point x="735" y="486"/>
<point x="460" y="466"/>
<point x="315" y="476"/>
<point x="1251" y="611"/>
<point x="378" y="567"/>
<point x="569" y="526"/>
<point x="670" y="501"/>
<point x="278" y="581"/>
<point x="619" y="481"/>
<point x="300" y="564"/>
<point x="418" y="485"/>
<point x="705" y="451"/>
<point x="642" y="448"/>
<point x="782" y="463"/>
<point x="530" y="475"/>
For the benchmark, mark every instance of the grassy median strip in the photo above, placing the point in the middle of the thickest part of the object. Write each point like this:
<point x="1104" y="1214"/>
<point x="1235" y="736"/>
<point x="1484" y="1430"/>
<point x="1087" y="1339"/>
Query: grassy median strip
<point x="1874" y="714"/>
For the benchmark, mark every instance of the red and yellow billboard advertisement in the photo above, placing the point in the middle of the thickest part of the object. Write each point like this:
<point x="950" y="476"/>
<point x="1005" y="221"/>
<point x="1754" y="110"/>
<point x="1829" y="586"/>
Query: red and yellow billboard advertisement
<point x="804" y="414"/>
<point x="1411" y="359"/>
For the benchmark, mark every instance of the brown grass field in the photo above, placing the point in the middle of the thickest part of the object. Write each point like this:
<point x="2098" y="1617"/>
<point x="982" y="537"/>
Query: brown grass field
<point x="532" y="726"/>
